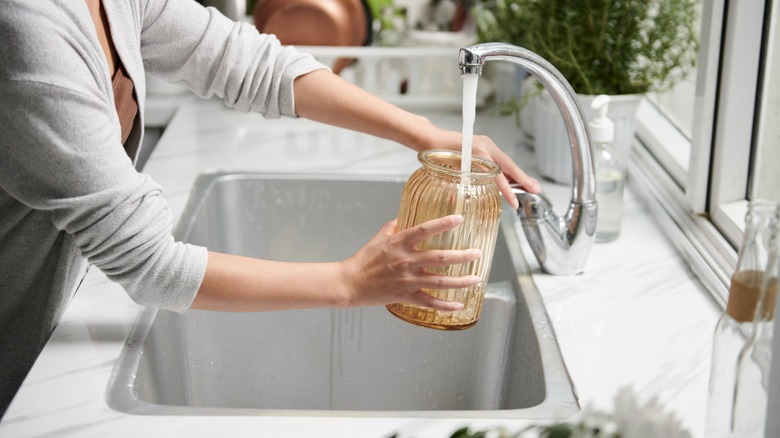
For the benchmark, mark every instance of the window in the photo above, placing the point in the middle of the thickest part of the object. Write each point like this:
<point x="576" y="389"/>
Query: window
<point x="713" y="143"/>
<point x="765" y="181"/>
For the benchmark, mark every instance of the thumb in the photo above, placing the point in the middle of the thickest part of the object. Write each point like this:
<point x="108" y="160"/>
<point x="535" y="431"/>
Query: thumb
<point x="389" y="227"/>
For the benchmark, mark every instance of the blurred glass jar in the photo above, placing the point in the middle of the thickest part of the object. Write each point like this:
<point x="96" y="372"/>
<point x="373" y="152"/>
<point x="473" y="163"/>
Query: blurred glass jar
<point x="437" y="189"/>
<point x="750" y="308"/>
<point x="754" y="363"/>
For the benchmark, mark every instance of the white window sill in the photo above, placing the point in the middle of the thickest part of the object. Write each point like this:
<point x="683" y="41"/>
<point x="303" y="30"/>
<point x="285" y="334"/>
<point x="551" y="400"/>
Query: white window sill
<point x="731" y="218"/>
<point x="658" y="168"/>
<point x="667" y="143"/>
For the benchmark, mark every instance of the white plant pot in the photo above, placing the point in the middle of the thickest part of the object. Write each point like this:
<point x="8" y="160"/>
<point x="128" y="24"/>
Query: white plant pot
<point x="509" y="82"/>
<point x="552" y="146"/>
<point x="530" y="92"/>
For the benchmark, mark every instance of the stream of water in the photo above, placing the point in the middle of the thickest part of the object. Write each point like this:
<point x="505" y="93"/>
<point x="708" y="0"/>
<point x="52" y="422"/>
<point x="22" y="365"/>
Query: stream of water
<point x="469" y="114"/>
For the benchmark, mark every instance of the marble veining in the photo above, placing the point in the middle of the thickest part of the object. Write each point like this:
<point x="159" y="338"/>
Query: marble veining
<point x="636" y="316"/>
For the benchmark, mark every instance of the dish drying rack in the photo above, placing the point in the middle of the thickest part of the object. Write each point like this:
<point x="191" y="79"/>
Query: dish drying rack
<point x="414" y="78"/>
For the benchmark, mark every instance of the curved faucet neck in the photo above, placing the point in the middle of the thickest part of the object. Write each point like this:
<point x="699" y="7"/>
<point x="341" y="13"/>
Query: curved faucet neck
<point x="471" y="60"/>
<point x="563" y="244"/>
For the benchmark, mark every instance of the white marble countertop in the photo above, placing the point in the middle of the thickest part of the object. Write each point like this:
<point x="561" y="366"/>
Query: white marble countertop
<point x="637" y="316"/>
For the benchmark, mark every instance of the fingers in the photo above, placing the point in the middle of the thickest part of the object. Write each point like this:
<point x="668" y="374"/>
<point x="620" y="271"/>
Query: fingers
<point x="441" y="257"/>
<point x="510" y="170"/>
<point x="414" y="235"/>
<point x="437" y="258"/>
<point x="389" y="227"/>
<point x="529" y="184"/>
<point x="484" y="146"/>
<point x="437" y="281"/>
<point x="506" y="190"/>
<point x="427" y="300"/>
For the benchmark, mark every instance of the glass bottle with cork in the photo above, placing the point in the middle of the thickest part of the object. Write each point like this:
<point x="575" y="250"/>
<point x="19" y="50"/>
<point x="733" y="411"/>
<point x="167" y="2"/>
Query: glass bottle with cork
<point x="751" y="391"/>
<point x="751" y="296"/>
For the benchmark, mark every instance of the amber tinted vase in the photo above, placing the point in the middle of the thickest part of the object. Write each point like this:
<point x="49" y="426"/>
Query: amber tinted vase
<point x="438" y="189"/>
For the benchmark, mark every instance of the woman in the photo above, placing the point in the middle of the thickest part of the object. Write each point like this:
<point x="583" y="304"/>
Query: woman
<point x="71" y="122"/>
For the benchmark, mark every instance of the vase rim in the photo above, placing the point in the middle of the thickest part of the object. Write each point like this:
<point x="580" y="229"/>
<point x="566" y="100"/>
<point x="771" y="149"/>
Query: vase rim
<point x="433" y="159"/>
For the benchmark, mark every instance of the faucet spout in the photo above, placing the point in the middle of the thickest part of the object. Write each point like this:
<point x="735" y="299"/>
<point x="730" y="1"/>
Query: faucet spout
<point x="560" y="244"/>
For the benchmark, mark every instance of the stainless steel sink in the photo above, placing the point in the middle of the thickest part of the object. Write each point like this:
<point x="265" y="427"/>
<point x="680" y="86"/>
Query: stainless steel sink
<point x="355" y="362"/>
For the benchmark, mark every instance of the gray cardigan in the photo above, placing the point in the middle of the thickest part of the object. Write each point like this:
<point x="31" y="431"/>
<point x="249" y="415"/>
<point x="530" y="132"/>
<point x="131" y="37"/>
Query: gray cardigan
<point x="69" y="194"/>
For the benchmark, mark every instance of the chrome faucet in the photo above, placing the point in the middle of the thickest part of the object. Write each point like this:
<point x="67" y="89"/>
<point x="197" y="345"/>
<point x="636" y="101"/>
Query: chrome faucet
<point x="561" y="244"/>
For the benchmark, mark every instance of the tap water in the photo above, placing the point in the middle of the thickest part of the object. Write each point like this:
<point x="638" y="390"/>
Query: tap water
<point x="469" y="114"/>
<point x="470" y="82"/>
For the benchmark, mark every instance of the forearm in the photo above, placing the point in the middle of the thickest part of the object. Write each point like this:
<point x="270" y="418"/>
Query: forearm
<point x="388" y="269"/>
<point x="326" y="98"/>
<point x="242" y="284"/>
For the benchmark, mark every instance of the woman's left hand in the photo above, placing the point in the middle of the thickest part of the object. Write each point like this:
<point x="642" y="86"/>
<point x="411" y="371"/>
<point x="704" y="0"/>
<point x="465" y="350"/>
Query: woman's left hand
<point x="484" y="147"/>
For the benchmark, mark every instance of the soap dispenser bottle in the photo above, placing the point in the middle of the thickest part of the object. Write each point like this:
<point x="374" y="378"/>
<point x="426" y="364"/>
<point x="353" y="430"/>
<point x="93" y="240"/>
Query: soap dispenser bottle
<point x="610" y="172"/>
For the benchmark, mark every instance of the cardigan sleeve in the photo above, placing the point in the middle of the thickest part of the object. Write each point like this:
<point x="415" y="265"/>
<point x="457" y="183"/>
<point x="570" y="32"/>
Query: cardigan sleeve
<point x="61" y="155"/>
<point x="183" y="42"/>
<point x="60" y="149"/>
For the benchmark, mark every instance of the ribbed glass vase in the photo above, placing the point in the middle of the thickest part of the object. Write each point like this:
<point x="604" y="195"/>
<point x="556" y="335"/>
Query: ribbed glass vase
<point x="439" y="188"/>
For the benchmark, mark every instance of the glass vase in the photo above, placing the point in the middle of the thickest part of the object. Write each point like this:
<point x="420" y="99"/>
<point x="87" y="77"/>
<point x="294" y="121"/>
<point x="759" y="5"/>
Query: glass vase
<point x="437" y="189"/>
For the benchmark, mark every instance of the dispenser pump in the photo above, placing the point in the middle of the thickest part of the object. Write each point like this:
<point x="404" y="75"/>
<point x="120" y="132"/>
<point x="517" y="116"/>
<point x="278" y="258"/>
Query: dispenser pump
<point x="602" y="130"/>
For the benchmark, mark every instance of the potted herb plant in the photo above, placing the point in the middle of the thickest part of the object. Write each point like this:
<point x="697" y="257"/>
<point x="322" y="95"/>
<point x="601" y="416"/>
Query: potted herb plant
<point x="622" y="48"/>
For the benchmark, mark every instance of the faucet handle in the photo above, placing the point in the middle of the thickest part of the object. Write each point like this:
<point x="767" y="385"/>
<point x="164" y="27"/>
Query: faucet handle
<point x="559" y="249"/>
<point x="533" y="206"/>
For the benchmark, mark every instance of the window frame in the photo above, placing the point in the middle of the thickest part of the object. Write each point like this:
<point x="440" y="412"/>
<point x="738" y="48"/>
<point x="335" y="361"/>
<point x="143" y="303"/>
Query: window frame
<point x="736" y="121"/>
<point x="702" y="183"/>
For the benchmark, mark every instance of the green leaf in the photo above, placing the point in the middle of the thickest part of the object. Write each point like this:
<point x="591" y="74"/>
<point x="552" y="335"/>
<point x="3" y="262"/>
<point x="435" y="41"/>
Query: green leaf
<point x="600" y="46"/>
<point x="557" y="431"/>
<point x="466" y="433"/>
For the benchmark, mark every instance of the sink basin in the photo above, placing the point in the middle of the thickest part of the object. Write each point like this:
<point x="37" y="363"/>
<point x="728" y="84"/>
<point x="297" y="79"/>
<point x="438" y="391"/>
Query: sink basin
<point x="353" y="362"/>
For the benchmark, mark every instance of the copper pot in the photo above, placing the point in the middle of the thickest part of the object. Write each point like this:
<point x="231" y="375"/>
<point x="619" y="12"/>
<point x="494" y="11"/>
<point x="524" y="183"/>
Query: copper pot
<point x="315" y="23"/>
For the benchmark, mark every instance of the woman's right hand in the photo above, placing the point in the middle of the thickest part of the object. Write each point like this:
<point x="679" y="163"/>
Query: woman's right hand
<point x="390" y="268"/>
